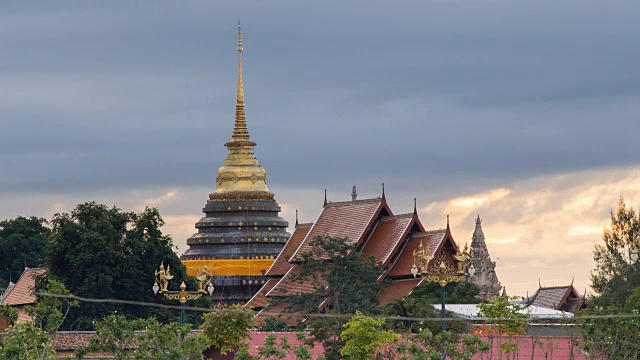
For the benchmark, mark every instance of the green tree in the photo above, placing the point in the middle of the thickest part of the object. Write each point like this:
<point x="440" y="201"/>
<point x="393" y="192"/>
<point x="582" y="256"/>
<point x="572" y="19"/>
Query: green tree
<point x="365" y="337"/>
<point x="23" y="242"/>
<point x="34" y="340"/>
<point x="506" y="320"/>
<point x="615" y="276"/>
<point x="146" y="339"/>
<point x="349" y="281"/>
<point x="105" y="253"/>
<point x="226" y="328"/>
<point x="419" y="304"/>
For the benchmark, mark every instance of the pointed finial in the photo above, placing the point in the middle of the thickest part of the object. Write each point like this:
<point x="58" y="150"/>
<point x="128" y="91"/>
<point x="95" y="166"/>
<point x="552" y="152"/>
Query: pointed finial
<point x="383" y="191"/>
<point x="539" y="284"/>
<point x="354" y="194"/>
<point x="572" y="278"/>
<point x="239" y="37"/>
<point x="415" y="206"/>
<point x="325" y="198"/>
<point x="447" y="221"/>
<point x="504" y="291"/>
<point x="296" y="217"/>
<point x="240" y="131"/>
<point x="478" y="220"/>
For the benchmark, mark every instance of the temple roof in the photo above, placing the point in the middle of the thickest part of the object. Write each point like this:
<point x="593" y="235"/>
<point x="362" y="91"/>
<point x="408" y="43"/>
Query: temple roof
<point x="282" y="265"/>
<point x="349" y="219"/>
<point x="431" y="240"/>
<point x="398" y="290"/>
<point x="387" y="236"/>
<point x="288" y="285"/>
<point x="259" y="300"/>
<point x="22" y="292"/>
<point x="556" y="297"/>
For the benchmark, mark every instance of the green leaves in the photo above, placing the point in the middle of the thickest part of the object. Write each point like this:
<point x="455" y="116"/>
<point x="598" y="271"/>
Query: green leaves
<point x="364" y="337"/>
<point x="226" y="328"/>
<point x="23" y="242"/>
<point x="100" y="252"/>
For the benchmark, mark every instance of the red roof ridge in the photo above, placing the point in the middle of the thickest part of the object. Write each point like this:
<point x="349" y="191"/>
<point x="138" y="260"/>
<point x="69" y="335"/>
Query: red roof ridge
<point x="22" y="292"/>
<point x="357" y="202"/>
<point x="397" y="216"/>
<point x="428" y="232"/>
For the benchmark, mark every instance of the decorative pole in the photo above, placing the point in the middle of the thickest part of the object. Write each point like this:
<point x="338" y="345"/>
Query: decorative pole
<point x="442" y="277"/>
<point x="162" y="282"/>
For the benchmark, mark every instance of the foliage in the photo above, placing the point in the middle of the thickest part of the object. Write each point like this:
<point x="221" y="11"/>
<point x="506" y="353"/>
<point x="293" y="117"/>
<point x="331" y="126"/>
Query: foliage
<point x="9" y="312"/>
<point x="275" y="325"/>
<point x="345" y="277"/>
<point x="146" y="339"/>
<point x="226" y="328"/>
<point x="505" y="319"/>
<point x="419" y="305"/>
<point x="26" y="340"/>
<point x="611" y="333"/>
<point x="364" y="337"/>
<point x="23" y="243"/>
<point x="105" y="253"/>
<point x="615" y="277"/>
<point x="272" y="350"/>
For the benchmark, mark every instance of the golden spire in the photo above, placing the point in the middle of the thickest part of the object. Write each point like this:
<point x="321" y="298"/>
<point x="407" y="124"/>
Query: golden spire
<point x="241" y="177"/>
<point x="240" y="131"/>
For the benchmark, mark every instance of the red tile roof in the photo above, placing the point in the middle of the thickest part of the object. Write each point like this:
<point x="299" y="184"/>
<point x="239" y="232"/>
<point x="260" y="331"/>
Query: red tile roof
<point x="22" y="292"/>
<point x="347" y="219"/>
<point x="289" y="285"/>
<point x="279" y="311"/>
<point x="558" y="298"/>
<point x="387" y="235"/>
<point x="259" y="300"/>
<point x="282" y="265"/>
<point x="398" y="290"/>
<point x="430" y="239"/>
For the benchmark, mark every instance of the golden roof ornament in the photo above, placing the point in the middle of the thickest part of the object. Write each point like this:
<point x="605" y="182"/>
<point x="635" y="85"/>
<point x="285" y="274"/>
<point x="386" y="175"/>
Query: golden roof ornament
<point x="241" y="177"/>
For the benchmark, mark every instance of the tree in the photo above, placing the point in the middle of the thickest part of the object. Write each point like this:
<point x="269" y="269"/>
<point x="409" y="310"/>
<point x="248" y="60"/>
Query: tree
<point x="105" y="253"/>
<point x="146" y="339"/>
<point x="23" y="243"/>
<point x="505" y="319"/>
<point x="610" y="325"/>
<point x="365" y="338"/>
<point x="34" y="340"/>
<point x="226" y="328"/>
<point x="615" y="276"/>
<point x="347" y="281"/>
<point x="419" y="304"/>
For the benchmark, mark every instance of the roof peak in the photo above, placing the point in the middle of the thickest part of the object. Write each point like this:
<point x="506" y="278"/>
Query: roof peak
<point x="351" y="202"/>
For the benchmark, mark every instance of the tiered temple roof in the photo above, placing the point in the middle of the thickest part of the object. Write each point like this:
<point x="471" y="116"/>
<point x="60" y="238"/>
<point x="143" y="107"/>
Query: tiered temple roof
<point x="375" y="231"/>
<point x="485" y="277"/>
<point x="241" y="233"/>
<point x="564" y="298"/>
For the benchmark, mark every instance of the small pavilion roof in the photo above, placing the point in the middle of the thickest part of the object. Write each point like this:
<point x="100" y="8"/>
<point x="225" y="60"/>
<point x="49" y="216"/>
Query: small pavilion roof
<point x="555" y="297"/>
<point x="348" y="219"/>
<point x="22" y="292"/>
<point x="281" y="265"/>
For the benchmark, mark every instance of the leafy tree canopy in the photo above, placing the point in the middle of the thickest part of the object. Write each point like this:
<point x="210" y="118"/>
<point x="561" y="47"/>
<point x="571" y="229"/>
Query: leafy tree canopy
<point x="226" y="328"/>
<point x="348" y="279"/>
<point x="105" y="253"/>
<point x="23" y="242"/>
<point x="615" y="276"/>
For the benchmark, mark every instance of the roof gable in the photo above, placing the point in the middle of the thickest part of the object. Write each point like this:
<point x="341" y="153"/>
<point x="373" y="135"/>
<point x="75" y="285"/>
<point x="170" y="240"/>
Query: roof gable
<point x="433" y="241"/>
<point x="349" y="219"/>
<point x="281" y="265"/>
<point x="22" y="292"/>
<point x="387" y="236"/>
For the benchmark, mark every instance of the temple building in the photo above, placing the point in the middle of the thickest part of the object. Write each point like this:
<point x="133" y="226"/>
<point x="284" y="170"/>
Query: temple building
<point x="370" y="225"/>
<point x="241" y="232"/>
<point x="485" y="277"/>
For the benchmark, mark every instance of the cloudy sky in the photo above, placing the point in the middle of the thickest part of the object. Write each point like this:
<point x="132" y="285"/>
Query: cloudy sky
<point x="523" y="112"/>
